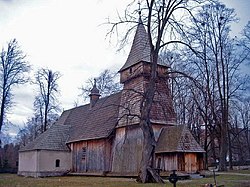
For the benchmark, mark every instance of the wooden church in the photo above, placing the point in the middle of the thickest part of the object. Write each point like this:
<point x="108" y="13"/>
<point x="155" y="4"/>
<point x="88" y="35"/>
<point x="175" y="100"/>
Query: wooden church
<point x="104" y="136"/>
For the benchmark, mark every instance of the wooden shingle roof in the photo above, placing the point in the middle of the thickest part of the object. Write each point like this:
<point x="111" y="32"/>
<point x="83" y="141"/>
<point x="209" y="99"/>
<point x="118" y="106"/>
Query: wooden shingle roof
<point x="140" y="49"/>
<point x="80" y="123"/>
<point x="52" y="139"/>
<point x="177" y="139"/>
<point x="96" y="122"/>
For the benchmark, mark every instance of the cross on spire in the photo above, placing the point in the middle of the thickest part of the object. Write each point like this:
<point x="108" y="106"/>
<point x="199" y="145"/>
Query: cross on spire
<point x="139" y="9"/>
<point x="94" y="82"/>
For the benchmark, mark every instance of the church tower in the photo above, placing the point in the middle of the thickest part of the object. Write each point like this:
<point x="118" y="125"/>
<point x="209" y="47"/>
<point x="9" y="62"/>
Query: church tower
<point x="135" y="74"/>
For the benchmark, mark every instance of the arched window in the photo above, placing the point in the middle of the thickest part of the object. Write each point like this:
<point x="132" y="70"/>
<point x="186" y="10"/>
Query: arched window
<point x="57" y="163"/>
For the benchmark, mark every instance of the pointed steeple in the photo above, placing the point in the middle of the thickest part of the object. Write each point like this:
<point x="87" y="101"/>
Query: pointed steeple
<point x="140" y="50"/>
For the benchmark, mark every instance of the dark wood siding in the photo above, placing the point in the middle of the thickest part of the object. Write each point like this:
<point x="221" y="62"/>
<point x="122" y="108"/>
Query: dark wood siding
<point x="181" y="162"/>
<point x="170" y="162"/>
<point x="127" y="150"/>
<point x="189" y="162"/>
<point x="91" y="156"/>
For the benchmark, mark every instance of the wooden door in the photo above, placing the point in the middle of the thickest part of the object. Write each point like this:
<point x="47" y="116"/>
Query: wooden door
<point x="79" y="157"/>
<point x="190" y="162"/>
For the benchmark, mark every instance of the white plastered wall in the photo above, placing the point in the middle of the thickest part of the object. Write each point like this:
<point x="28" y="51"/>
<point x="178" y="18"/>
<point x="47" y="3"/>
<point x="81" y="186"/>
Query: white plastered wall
<point x="27" y="161"/>
<point x="41" y="163"/>
<point x="47" y="160"/>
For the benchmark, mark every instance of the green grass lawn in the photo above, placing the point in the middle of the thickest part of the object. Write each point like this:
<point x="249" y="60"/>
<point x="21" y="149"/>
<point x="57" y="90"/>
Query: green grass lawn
<point x="12" y="180"/>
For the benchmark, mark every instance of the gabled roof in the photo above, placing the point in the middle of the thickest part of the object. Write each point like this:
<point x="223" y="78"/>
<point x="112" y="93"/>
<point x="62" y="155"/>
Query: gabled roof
<point x="140" y="50"/>
<point x="53" y="139"/>
<point x="80" y="123"/>
<point x="177" y="139"/>
<point x="95" y="122"/>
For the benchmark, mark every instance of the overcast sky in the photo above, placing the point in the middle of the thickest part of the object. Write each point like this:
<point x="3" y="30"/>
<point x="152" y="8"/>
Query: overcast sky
<point x="67" y="36"/>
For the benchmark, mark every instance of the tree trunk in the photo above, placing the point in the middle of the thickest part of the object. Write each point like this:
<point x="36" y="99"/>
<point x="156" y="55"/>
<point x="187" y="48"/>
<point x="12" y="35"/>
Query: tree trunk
<point x="230" y="154"/>
<point x="147" y="172"/>
<point x="214" y="155"/>
<point x="205" y="146"/>
<point x="45" y="119"/>
<point x="223" y="149"/>
<point x="46" y="109"/>
<point x="2" y="113"/>
<point x="1" y="119"/>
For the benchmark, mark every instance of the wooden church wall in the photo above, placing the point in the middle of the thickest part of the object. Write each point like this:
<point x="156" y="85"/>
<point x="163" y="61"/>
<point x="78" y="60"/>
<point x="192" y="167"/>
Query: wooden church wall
<point x="91" y="156"/>
<point x="130" y="102"/>
<point x="200" y="160"/>
<point x="127" y="150"/>
<point x="193" y="162"/>
<point x="189" y="162"/>
<point x="166" y="162"/>
<point x="131" y="72"/>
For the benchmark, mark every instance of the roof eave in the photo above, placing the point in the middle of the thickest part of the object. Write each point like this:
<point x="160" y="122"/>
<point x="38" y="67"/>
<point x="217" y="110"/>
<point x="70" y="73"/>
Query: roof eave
<point x="180" y="151"/>
<point x="44" y="149"/>
<point x="87" y="139"/>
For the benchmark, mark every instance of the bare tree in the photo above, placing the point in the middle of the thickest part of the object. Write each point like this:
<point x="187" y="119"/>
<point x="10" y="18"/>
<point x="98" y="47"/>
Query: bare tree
<point x="220" y="48"/>
<point x="164" y="21"/>
<point x="13" y="73"/>
<point x="215" y="67"/>
<point x="46" y="102"/>
<point x="240" y="130"/>
<point x="29" y="132"/>
<point x="22" y="137"/>
<point x="107" y="83"/>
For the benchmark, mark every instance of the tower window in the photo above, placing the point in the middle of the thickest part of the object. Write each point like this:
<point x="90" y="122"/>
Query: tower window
<point x="130" y="70"/>
<point x="57" y="163"/>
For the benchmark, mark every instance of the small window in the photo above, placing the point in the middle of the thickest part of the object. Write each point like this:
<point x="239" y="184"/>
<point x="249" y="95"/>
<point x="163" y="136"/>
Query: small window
<point x="130" y="70"/>
<point x="57" y="163"/>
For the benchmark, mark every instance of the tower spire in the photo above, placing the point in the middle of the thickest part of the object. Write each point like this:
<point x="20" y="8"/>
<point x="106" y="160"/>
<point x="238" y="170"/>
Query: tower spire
<point x="94" y="83"/>
<point x="140" y="50"/>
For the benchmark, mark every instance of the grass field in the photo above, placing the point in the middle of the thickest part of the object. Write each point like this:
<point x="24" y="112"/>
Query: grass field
<point x="11" y="180"/>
